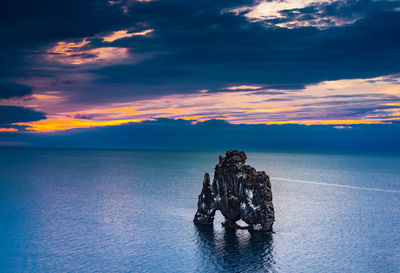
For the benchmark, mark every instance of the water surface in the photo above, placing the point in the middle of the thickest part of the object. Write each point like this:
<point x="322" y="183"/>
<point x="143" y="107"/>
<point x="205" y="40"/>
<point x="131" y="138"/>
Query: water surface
<point x="132" y="211"/>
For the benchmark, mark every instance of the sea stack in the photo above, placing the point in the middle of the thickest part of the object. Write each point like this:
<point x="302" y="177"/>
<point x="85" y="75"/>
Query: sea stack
<point x="240" y="192"/>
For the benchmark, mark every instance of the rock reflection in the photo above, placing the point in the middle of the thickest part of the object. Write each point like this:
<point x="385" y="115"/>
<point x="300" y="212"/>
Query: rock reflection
<point x="230" y="250"/>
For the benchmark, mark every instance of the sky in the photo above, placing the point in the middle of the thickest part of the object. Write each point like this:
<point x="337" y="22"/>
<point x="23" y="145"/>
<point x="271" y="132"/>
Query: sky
<point x="295" y="74"/>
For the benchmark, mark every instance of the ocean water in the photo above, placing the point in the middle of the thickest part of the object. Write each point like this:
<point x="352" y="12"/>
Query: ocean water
<point x="132" y="211"/>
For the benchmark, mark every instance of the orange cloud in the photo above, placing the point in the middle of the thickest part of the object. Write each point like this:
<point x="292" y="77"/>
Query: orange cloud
<point x="51" y="125"/>
<point x="124" y="34"/>
<point x="244" y="87"/>
<point x="101" y="54"/>
<point x="47" y="96"/>
<point x="64" y="47"/>
<point x="76" y="53"/>
<point x="8" y="130"/>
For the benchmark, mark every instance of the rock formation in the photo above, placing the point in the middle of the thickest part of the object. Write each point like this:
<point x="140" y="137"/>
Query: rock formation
<point x="239" y="192"/>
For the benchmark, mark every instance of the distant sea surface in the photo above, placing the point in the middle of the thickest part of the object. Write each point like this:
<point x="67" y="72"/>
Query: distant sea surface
<point x="132" y="211"/>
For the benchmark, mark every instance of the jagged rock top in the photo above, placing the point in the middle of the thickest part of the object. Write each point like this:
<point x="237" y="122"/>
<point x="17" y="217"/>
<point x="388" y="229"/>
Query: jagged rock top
<point x="239" y="192"/>
<point x="232" y="157"/>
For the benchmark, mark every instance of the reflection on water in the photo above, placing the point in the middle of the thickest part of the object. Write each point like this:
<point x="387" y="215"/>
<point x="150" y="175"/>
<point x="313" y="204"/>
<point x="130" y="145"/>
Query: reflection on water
<point x="230" y="250"/>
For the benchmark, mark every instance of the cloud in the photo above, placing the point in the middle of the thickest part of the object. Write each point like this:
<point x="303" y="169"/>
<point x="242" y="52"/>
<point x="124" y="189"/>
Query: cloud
<point x="13" y="114"/>
<point x="312" y="13"/>
<point x="225" y="50"/>
<point x="120" y="34"/>
<point x="356" y="101"/>
<point x="51" y="125"/>
<point x="194" y="46"/>
<point x="244" y="87"/>
<point x="215" y="134"/>
<point x="271" y="11"/>
<point x="13" y="90"/>
<point x="76" y="53"/>
<point x="89" y="50"/>
<point x="8" y="129"/>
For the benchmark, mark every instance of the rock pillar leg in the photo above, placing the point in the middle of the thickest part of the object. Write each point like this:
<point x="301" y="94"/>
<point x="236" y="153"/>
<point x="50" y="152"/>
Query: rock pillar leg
<point x="206" y="204"/>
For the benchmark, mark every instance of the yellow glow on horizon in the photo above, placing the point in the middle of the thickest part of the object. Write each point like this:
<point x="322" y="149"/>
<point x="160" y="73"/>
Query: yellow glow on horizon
<point x="8" y="130"/>
<point x="52" y="125"/>
<point x="190" y="118"/>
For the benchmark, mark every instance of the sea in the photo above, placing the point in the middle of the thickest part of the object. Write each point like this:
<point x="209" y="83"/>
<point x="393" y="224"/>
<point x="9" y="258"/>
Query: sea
<point x="131" y="211"/>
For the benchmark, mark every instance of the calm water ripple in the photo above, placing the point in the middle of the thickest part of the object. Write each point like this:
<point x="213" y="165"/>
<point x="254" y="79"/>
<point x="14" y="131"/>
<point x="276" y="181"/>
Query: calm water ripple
<point x="132" y="211"/>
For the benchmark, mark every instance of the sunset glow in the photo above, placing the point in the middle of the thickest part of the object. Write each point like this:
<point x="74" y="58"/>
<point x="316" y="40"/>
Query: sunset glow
<point x="248" y="104"/>
<point x="115" y="113"/>
<point x="279" y="10"/>
<point x="74" y="54"/>
<point x="239" y="107"/>
<point x="8" y="130"/>
<point x="135" y="63"/>
<point x="51" y="125"/>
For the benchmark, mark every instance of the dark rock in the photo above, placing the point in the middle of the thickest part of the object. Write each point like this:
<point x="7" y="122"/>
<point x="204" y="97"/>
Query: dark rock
<point x="206" y="204"/>
<point x="239" y="192"/>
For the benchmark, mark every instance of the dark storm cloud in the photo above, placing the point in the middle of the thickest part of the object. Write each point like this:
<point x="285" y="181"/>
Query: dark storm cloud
<point x="13" y="114"/>
<point x="215" y="134"/>
<point x="43" y="21"/>
<point x="196" y="46"/>
<point x="13" y="90"/>
<point x="208" y="50"/>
